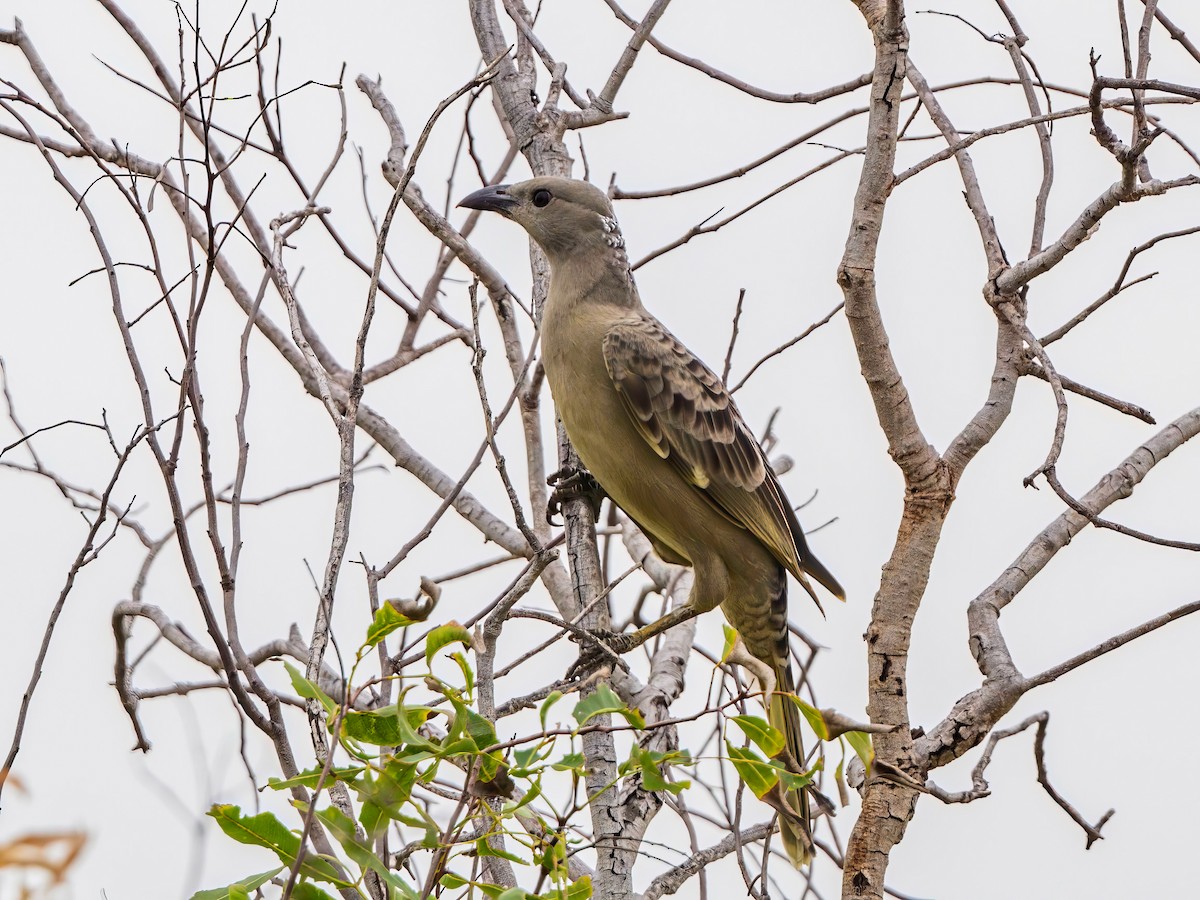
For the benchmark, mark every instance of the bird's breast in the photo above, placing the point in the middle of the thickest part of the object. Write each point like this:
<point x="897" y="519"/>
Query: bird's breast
<point x="637" y="479"/>
<point x="589" y="405"/>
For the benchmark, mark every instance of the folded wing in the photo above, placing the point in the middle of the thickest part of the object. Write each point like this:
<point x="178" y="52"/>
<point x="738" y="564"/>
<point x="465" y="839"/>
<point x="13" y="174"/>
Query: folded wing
<point x="687" y="416"/>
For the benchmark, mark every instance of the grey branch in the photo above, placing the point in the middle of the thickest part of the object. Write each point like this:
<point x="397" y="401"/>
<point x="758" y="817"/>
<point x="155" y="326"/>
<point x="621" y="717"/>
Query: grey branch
<point x="671" y="881"/>
<point x="974" y="716"/>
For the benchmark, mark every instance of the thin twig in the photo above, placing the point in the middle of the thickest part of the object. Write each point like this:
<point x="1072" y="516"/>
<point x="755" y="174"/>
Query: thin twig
<point x="1098" y="522"/>
<point x="87" y="553"/>
<point x="733" y="335"/>
<point x="1118" y="286"/>
<point x="789" y="344"/>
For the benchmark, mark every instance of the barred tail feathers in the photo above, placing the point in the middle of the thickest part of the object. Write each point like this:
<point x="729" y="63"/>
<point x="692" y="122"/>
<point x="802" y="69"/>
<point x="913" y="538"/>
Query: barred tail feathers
<point x="766" y="638"/>
<point x="784" y="715"/>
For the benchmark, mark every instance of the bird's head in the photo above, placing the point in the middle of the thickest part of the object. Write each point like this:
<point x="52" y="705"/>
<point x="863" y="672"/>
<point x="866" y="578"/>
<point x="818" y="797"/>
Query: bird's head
<point x="563" y="215"/>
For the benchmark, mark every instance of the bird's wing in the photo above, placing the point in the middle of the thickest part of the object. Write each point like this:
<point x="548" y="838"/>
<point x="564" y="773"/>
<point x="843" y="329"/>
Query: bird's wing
<point x="687" y="416"/>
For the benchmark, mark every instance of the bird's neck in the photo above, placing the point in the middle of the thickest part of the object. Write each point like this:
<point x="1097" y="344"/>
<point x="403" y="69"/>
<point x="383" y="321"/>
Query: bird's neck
<point x="601" y="275"/>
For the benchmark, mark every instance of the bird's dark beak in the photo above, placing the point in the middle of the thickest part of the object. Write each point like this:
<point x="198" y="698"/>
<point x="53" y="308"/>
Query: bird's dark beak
<point x="490" y="199"/>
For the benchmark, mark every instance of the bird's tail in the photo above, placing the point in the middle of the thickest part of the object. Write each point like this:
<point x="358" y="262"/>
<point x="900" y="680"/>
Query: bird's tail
<point x="764" y="632"/>
<point x="793" y="818"/>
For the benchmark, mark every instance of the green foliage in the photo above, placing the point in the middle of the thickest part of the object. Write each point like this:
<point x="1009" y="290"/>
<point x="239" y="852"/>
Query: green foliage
<point x="762" y="775"/>
<point x="578" y="890"/>
<point x="342" y="827"/>
<point x="452" y="881"/>
<point x="861" y="743"/>
<point x="758" y="774"/>
<point x="792" y="781"/>
<point x="570" y="762"/>
<point x="544" y="709"/>
<point x="239" y="889"/>
<point x="813" y="716"/>
<point x="767" y="737"/>
<point x="731" y="637"/>
<point x="467" y="673"/>
<point x="397" y="748"/>
<point x="387" y="620"/>
<point x="650" y="764"/>
<point x="604" y="700"/>
<point x="310" y="778"/>
<point x="309" y="690"/>
<point x="264" y="830"/>
<point x="389" y="726"/>
<point x="444" y="636"/>
<point x="306" y="890"/>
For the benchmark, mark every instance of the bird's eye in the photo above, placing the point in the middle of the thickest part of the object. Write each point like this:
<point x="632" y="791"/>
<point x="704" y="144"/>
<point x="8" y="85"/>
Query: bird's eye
<point x="542" y="198"/>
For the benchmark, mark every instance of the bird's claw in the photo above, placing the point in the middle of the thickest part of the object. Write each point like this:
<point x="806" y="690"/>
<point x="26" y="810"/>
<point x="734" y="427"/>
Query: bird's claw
<point x="602" y="648"/>
<point x="569" y="483"/>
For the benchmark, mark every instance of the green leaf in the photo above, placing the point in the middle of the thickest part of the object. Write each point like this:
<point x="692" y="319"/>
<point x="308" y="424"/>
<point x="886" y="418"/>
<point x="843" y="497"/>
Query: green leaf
<point x="481" y="733"/>
<point x="571" y="762"/>
<point x="793" y="782"/>
<point x="652" y="779"/>
<point x="480" y="729"/>
<point x="515" y="893"/>
<point x="465" y="667"/>
<point x="451" y="881"/>
<point x="310" y="778"/>
<point x="647" y="767"/>
<point x="649" y="764"/>
<point x="247" y="884"/>
<point x="429" y="773"/>
<point x="604" y="700"/>
<point x="861" y="742"/>
<point x="341" y="826"/>
<point x="383" y="793"/>
<point x="463" y="746"/>
<point x="552" y="856"/>
<point x="373" y="819"/>
<point x="443" y="636"/>
<point x="544" y="709"/>
<point x="759" y="775"/>
<point x="578" y="890"/>
<point x="483" y="848"/>
<point x="389" y="726"/>
<point x="767" y="737"/>
<point x="378" y="727"/>
<point x="496" y="891"/>
<point x="530" y="795"/>
<point x="387" y="620"/>
<point x="526" y="758"/>
<point x="813" y="716"/>
<point x="731" y="637"/>
<point x="306" y="890"/>
<point x="264" y="830"/>
<point x="310" y="691"/>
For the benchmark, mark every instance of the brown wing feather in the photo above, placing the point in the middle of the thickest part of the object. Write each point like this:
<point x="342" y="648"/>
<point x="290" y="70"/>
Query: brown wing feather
<point x="688" y="417"/>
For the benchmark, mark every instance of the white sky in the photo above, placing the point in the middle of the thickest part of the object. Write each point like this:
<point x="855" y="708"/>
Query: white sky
<point x="1119" y="726"/>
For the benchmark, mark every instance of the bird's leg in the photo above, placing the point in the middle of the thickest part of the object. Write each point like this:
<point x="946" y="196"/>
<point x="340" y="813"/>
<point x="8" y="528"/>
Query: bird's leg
<point x="597" y="651"/>
<point x="569" y="482"/>
<point x="607" y="643"/>
<point x="677" y="616"/>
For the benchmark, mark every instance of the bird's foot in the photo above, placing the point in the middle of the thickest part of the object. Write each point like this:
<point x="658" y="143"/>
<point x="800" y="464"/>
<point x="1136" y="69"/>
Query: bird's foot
<point x="569" y="483"/>
<point x="601" y="648"/>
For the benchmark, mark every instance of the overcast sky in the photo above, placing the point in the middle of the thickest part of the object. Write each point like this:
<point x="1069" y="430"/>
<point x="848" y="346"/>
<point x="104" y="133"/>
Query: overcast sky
<point x="1120" y="727"/>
